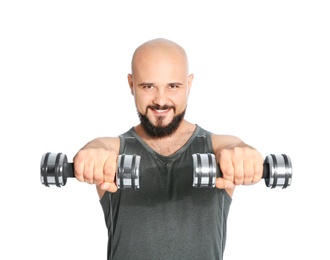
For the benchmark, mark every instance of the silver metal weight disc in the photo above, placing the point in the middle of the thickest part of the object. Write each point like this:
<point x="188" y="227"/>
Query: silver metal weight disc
<point x="280" y="171"/>
<point x="205" y="170"/>
<point x="52" y="169"/>
<point x="128" y="175"/>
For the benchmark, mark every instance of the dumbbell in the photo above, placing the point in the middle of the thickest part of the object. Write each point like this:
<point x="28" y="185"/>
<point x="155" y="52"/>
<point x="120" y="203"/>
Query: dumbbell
<point x="277" y="170"/>
<point x="55" y="169"/>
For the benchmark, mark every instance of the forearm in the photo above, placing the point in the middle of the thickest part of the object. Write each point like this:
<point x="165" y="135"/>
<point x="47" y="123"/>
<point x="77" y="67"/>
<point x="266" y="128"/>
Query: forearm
<point x="221" y="142"/>
<point x="107" y="143"/>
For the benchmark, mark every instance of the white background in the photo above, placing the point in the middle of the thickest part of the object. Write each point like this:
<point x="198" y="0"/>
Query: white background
<point x="261" y="73"/>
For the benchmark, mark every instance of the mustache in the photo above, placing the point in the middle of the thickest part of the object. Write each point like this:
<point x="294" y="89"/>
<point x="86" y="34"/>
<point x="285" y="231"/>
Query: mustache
<point x="159" y="107"/>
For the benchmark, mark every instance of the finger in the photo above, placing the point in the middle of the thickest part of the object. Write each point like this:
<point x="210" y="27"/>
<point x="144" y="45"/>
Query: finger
<point x="221" y="183"/>
<point x="109" y="169"/>
<point x="248" y="172"/>
<point x="258" y="171"/>
<point x="110" y="187"/>
<point x="238" y="172"/>
<point x="98" y="172"/>
<point x="88" y="175"/>
<point x="79" y="170"/>
<point x="226" y="167"/>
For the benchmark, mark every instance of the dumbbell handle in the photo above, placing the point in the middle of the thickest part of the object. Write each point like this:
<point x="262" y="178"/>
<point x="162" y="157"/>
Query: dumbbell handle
<point x="69" y="170"/>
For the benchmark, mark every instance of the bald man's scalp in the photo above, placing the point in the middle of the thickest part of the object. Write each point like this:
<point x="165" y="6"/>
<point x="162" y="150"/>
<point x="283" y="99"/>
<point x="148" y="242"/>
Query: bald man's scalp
<point x="160" y="47"/>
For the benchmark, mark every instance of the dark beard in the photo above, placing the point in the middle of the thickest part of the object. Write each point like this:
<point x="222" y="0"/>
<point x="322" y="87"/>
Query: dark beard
<point x="159" y="131"/>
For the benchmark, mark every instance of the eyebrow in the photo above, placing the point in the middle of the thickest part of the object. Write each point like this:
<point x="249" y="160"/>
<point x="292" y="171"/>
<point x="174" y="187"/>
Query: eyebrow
<point x="146" y="83"/>
<point x="175" y="83"/>
<point x="152" y="84"/>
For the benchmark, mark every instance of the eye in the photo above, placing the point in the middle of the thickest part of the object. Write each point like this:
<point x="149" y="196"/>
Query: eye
<point x="173" y="86"/>
<point x="147" y="86"/>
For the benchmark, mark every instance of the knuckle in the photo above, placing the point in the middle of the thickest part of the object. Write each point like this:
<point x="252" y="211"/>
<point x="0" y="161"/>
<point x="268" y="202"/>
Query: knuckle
<point x="225" y="154"/>
<point x="108" y="168"/>
<point x="248" y="174"/>
<point x="238" y="179"/>
<point x="258" y="173"/>
<point x="88" y="174"/>
<point x="239" y="176"/>
<point x="227" y="173"/>
<point x="98" y="179"/>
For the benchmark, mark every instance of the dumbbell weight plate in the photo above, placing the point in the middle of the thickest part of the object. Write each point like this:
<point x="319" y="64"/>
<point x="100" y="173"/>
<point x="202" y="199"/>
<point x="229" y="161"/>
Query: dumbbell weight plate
<point x="128" y="175"/>
<point x="55" y="169"/>
<point x="205" y="170"/>
<point x="279" y="171"/>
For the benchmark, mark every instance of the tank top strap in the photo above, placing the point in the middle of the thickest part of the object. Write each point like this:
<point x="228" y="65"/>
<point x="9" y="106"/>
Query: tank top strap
<point x="128" y="144"/>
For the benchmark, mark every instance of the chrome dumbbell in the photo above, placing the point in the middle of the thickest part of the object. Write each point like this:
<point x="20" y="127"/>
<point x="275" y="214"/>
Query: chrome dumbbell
<point x="55" y="169"/>
<point x="277" y="170"/>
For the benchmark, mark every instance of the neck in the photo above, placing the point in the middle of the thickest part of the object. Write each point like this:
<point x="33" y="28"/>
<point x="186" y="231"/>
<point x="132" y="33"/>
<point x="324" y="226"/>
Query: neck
<point x="169" y="144"/>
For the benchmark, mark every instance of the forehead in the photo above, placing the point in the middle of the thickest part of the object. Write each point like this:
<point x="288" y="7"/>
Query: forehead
<point x="160" y="62"/>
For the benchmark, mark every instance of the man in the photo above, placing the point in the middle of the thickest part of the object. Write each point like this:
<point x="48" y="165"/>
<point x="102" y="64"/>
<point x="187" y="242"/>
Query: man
<point x="167" y="218"/>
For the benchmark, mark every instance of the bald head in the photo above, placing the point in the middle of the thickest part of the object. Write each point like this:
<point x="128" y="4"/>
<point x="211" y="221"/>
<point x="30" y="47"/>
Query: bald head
<point x="159" y="50"/>
<point x="160" y="85"/>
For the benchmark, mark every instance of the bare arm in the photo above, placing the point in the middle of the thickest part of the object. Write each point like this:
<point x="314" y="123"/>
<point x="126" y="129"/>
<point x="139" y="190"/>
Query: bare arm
<point x="95" y="163"/>
<point x="240" y="163"/>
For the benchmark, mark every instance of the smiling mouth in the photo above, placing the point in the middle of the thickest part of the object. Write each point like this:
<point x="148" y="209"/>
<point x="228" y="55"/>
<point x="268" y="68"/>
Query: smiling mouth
<point x="160" y="110"/>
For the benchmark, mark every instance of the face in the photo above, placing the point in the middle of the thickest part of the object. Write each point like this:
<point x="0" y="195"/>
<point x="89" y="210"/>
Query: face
<point x="160" y="85"/>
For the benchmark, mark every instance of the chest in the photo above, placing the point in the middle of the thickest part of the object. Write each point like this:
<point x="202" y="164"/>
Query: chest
<point x="167" y="147"/>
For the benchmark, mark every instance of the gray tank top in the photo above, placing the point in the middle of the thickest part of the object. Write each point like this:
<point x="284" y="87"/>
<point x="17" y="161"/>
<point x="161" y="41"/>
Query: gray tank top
<point x="167" y="218"/>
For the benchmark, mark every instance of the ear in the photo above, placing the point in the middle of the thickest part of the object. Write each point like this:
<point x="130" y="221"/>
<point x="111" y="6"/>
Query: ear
<point x="130" y="82"/>
<point x="190" y="80"/>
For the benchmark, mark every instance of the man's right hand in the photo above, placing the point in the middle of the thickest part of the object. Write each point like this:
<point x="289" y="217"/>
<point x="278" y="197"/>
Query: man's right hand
<point x="97" y="166"/>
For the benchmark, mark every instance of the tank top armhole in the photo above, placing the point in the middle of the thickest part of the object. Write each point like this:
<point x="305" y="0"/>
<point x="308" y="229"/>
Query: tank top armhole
<point x="208" y="137"/>
<point x="104" y="198"/>
<point x="209" y="141"/>
<point x="121" y="144"/>
<point x="227" y="196"/>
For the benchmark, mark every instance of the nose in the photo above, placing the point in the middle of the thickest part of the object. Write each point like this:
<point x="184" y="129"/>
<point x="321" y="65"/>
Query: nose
<point x="160" y="97"/>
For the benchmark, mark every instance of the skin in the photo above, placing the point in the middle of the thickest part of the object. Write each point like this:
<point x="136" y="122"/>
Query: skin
<point x="160" y="76"/>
